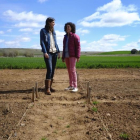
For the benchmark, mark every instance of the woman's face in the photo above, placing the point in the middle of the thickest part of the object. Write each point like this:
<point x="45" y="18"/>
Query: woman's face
<point x="52" y="24"/>
<point x="68" y="28"/>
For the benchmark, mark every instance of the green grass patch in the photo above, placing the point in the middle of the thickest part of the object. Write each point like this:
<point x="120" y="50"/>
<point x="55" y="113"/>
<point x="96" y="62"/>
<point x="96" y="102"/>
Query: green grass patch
<point x="44" y="139"/>
<point x="95" y="102"/>
<point x="124" y="136"/>
<point x="115" y="53"/>
<point x="68" y="126"/>
<point x="88" y="62"/>
<point x="94" y="109"/>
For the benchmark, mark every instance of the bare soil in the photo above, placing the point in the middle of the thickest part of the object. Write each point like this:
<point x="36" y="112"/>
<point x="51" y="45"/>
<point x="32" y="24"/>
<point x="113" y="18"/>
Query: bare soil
<point x="68" y="116"/>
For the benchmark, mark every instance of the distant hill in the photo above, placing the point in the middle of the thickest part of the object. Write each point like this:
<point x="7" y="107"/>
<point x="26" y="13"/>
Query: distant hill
<point x="90" y="53"/>
<point x="37" y="52"/>
<point x="21" y="51"/>
<point x="106" y="53"/>
<point x="115" y="53"/>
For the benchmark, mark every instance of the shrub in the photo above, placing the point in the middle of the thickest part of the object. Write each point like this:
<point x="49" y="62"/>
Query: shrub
<point x="5" y="54"/>
<point x="29" y="54"/>
<point x="16" y="53"/>
<point x="134" y="51"/>
<point x="11" y="54"/>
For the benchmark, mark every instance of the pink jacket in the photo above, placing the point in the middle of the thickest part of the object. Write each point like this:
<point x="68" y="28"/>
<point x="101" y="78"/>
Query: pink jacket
<point x="73" y="45"/>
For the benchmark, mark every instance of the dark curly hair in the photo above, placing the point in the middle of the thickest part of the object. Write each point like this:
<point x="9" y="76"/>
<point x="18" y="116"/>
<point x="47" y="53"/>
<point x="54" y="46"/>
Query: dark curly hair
<point x="48" y="20"/>
<point x="72" y="25"/>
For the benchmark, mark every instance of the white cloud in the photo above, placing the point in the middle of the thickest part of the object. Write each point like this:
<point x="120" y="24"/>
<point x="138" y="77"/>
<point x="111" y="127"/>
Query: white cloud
<point x="112" y="14"/>
<point x="25" y="39"/>
<point x="83" y="42"/>
<point x="1" y="40"/>
<point x="113" y="38"/>
<point x="26" y="30"/>
<point x="10" y="30"/>
<point x="25" y="19"/>
<point x="139" y="41"/>
<point x="1" y="32"/>
<point x="132" y="45"/>
<point x="12" y="44"/>
<point x="112" y="6"/>
<point x="106" y="43"/>
<point x="28" y="24"/>
<point x="82" y="32"/>
<point x="60" y="36"/>
<point x="36" y="32"/>
<point x="100" y="46"/>
<point x="36" y="46"/>
<point x="24" y="16"/>
<point x="17" y="42"/>
<point x="41" y="1"/>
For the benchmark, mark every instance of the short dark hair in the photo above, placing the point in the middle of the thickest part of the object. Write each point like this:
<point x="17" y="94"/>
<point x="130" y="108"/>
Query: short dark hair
<point x="72" y="25"/>
<point x="48" y="20"/>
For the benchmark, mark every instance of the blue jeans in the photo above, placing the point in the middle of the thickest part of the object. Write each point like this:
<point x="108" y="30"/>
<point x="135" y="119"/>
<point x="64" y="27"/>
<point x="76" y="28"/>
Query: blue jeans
<point x="50" y="65"/>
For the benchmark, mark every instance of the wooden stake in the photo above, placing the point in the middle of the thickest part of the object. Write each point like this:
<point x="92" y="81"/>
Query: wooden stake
<point x="87" y="90"/>
<point x="36" y="89"/>
<point x="89" y="95"/>
<point x="33" y="98"/>
<point x="77" y="79"/>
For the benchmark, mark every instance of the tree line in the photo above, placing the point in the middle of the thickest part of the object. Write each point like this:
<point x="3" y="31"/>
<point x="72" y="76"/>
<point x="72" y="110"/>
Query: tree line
<point x="27" y="54"/>
<point x="16" y="53"/>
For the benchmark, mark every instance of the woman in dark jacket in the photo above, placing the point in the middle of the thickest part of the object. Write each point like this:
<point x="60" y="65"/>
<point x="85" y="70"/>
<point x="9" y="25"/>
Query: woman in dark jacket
<point x="71" y="54"/>
<point x="51" y="51"/>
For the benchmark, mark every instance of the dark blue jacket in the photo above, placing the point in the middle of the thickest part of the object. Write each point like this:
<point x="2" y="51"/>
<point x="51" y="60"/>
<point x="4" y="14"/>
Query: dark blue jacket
<point x="45" y="40"/>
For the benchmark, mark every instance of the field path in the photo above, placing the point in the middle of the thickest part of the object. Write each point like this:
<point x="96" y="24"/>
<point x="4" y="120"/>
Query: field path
<point x="61" y="116"/>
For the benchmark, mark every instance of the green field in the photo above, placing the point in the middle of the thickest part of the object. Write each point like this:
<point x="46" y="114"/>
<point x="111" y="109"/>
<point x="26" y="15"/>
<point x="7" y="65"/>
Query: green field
<point x="115" y="53"/>
<point x="85" y="62"/>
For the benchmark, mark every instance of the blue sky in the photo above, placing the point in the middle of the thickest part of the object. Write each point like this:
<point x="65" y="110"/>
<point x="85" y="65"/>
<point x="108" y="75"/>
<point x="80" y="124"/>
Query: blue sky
<point x="107" y="25"/>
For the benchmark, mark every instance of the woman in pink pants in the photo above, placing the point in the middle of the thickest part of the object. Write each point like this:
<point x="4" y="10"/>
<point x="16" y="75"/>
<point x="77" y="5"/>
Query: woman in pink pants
<point x="71" y="54"/>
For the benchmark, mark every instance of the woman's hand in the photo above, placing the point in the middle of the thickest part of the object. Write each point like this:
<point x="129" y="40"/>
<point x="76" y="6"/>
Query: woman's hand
<point x="46" y="55"/>
<point x="58" y="55"/>
<point x="78" y="59"/>
<point x="63" y="60"/>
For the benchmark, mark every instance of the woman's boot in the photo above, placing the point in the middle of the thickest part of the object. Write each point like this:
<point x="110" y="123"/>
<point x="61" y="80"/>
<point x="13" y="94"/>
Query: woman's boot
<point x="52" y="90"/>
<point x="47" y="87"/>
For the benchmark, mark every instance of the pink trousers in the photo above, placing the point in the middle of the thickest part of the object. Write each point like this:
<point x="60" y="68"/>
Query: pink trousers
<point x="71" y="67"/>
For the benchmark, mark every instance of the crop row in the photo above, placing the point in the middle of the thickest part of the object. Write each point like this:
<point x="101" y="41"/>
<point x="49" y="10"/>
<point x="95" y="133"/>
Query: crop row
<point x="85" y="62"/>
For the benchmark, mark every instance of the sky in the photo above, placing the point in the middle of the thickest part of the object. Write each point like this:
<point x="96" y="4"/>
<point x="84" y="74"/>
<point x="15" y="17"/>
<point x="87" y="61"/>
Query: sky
<point x="102" y="25"/>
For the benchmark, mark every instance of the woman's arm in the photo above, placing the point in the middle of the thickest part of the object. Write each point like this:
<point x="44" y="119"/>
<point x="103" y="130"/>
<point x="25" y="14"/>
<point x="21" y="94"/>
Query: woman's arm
<point x="42" y="43"/>
<point x="78" y="47"/>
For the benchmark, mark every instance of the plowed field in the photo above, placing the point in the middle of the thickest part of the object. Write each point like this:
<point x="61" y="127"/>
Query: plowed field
<point x="113" y="112"/>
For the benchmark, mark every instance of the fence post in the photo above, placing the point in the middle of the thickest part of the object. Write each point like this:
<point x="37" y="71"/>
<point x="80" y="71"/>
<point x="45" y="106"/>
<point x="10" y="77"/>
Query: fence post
<point x="87" y="90"/>
<point x="77" y="79"/>
<point x="89" y="95"/>
<point x="33" y="98"/>
<point x="36" y="85"/>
